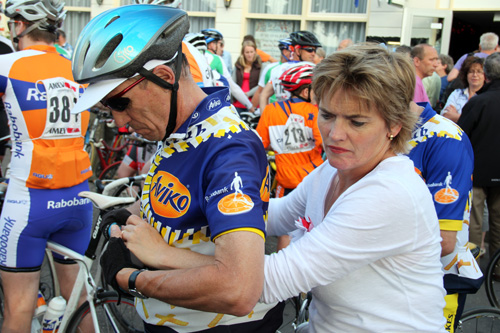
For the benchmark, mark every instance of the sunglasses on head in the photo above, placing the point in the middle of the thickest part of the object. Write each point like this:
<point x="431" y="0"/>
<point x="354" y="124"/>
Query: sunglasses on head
<point x="119" y="103"/>
<point x="309" y="49"/>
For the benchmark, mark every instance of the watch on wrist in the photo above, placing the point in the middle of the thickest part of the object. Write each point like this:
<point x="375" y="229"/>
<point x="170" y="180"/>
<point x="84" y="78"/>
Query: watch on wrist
<point x="131" y="285"/>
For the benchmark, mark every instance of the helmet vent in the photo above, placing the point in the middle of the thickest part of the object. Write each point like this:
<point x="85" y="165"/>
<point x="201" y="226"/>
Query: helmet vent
<point x="112" y="20"/>
<point x="108" y="50"/>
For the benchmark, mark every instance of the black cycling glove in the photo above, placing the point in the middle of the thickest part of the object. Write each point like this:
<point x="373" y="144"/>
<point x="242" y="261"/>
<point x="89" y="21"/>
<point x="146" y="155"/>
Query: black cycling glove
<point x="118" y="216"/>
<point x="113" y="259"/>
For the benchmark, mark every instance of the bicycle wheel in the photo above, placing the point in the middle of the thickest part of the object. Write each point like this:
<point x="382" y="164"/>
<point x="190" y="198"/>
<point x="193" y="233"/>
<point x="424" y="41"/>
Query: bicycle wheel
<point x="110" y="171"/>
<point x="128" y="321"/>
<point x="492" y="281"/>
<point x="480" y="320"/>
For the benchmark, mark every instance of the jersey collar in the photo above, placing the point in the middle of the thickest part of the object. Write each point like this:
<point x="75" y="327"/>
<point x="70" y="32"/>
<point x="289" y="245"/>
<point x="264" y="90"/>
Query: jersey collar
<point x="217" y="98"/>
<point x="43" y="48"/>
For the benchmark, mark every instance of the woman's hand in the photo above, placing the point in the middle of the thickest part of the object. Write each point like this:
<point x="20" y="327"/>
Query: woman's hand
<point x="451" y="113"/>
<point x="145" y="242"/>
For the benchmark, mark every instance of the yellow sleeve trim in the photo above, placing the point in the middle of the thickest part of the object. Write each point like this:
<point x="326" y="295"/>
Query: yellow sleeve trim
<point x="254" y="230"/>
<point x="451" y="225"/>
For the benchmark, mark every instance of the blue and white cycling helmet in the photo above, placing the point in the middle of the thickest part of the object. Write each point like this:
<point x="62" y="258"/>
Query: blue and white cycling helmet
<point x="168" y="3"/>
<point x="212" y="35"/>
<point x="284" y="44"/>
<point x="117" y="45"/>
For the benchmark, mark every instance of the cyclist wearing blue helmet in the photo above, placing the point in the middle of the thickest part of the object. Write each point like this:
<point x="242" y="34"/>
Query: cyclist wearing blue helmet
<point x="207" y="189"/>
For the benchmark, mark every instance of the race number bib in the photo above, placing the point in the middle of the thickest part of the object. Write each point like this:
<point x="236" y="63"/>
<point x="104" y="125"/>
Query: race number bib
<point x="296" y="136"/>
<point x="62" y="95"/>
<point x="280" y="92"/>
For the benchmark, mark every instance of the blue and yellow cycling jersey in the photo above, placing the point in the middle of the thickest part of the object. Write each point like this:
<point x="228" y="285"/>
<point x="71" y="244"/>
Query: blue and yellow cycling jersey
<point x="208" y="179"/>
<point x="443" y="157"/>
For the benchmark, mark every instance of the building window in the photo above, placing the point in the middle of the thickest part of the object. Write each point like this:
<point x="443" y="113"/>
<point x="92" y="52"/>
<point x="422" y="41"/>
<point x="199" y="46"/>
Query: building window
<point x="276" y="7"/>
<point x="338" y="6"/>
<point x="331" y="33"/>
<point x="268" y="32"/>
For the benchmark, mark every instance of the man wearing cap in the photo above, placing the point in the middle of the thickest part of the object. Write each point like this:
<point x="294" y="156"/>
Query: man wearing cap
<point x="200" y="228"/>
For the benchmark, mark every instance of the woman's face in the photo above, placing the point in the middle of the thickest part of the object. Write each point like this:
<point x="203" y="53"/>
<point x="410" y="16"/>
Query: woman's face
<point x="249" y="53"/>
<point x="355" y="139"/>
<point x="475" y="76"/>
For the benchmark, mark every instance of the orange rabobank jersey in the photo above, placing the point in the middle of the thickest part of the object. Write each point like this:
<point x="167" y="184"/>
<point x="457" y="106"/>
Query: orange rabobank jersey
<point x="290" y="128"/>
<point x="38" y="92"/>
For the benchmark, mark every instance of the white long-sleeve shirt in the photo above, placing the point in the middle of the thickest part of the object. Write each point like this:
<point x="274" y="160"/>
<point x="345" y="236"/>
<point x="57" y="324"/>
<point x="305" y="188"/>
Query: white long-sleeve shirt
<point x="372" y="263"/>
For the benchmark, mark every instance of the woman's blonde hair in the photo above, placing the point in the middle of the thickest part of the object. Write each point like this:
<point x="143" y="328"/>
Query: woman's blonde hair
<point x="379" y="79"/>
<point x="241" y="59"/>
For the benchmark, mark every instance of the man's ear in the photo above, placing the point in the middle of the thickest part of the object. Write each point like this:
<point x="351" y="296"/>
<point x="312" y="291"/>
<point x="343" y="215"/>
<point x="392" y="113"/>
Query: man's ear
<point x="165" y="73"/>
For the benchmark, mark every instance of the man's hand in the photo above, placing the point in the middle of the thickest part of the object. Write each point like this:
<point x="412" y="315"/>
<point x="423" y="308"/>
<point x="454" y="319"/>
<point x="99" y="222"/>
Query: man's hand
<point x="451" y="113"/>
<point x="115" y="258"/>
<point x="145" y="242"/>
<point x="118" y="216"/>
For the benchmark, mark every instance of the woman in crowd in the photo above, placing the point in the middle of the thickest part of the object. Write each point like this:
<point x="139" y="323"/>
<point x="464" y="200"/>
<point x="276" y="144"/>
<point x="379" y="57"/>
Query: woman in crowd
<point x="472" y="76"/>
<point x="365" y="235"/>
<point x="247" y="71"/>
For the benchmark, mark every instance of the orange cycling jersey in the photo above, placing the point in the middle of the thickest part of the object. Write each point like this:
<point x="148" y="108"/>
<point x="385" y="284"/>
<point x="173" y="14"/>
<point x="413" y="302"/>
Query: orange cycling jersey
<point x="38" y="92"/>
<point x="290" y="128"/>
<point x="198" y="66"/>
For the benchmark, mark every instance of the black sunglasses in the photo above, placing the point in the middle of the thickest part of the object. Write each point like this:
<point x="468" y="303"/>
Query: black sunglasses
<point x="119" y="103"/>
<point x="309" y="49"/>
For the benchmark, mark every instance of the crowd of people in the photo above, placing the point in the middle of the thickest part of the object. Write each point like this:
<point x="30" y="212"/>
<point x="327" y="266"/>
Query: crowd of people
<point x="378" y="172"/>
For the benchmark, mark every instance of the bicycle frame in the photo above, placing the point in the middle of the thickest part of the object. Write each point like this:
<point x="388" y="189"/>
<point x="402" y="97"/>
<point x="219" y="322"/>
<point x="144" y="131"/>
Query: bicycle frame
<point x="84" y="278"/>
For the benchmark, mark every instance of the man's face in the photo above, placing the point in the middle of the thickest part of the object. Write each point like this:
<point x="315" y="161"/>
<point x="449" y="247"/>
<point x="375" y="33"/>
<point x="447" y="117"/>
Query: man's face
<point x="216" y="47"/>
<point x="428" y="64"/>
<point x="305" y="53"/>
<point x="146" y="116"/>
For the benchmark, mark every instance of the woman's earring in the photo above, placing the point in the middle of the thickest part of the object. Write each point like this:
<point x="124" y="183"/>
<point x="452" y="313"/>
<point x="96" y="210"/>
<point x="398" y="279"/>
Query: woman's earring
<point x="391" y="137"/>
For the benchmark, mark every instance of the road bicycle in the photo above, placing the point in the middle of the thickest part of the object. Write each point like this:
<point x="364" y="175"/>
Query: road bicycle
<point x="492" y="280"/>
<point x="480" y="320"/>
<point x="109" y="311"/>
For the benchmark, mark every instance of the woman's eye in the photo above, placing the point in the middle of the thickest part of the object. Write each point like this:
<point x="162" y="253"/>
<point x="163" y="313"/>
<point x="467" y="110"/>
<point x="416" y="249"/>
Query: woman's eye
<point x="357" y="123"/>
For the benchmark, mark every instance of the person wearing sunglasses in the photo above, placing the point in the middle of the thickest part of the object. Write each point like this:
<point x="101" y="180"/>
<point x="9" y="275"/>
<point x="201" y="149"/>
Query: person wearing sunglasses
<point x="303" y="45"/>
<point x="206" y="192"/>
<point x="48" y="166"/>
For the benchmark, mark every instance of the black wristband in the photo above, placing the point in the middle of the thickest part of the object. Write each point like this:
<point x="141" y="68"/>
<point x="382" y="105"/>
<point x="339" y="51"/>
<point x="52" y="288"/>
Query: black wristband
<point x="132" y="290"/>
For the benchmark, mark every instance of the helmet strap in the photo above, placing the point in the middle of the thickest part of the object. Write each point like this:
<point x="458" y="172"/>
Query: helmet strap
<point x="172" y="118"/>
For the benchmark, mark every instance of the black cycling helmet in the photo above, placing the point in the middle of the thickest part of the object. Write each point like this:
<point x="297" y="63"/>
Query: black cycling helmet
<point x="118" y="44"/>
<point x="304" y="38"/>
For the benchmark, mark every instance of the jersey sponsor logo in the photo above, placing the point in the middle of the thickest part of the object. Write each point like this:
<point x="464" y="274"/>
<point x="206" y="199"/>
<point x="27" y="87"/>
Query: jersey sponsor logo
<point x="265" y="187"/>
<point x="42" y="176"/>
<point x="237" y="202"/>
<point x="67" y="203"/>
<point x="214" y="193"/>
<point x="35" y="94"/>
<point x="17" y="147"/>
<point x="448" y="194"/>
<point x="4" y="239"/>
<point x="214" y="104"/>
<point x="62" y="130"/>
<point x="169" y="197"/>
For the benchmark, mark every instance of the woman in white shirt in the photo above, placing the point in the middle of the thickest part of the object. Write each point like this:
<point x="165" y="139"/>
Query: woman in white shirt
<point x="472" y="76"/>
<point x="365" y="235"/>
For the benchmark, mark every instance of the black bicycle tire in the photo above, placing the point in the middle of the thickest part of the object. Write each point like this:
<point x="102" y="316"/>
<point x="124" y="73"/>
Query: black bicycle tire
<point x="477" y="313"/>
<point x="490" y="281"/>
<point x="110" y="171"/>
<point x="84" y="310"/>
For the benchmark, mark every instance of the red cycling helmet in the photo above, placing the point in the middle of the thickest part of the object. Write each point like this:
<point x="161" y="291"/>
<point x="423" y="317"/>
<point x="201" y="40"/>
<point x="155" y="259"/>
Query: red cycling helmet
<point x="297" y="76"/>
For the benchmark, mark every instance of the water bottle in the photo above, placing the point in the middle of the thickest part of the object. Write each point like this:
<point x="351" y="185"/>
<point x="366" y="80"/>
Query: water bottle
<point x="41" y="306"/>
<point x="53" y="315"/>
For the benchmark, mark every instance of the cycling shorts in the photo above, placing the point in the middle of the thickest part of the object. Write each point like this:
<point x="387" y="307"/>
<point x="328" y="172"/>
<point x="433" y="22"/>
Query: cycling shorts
<point x="30" y="217"/>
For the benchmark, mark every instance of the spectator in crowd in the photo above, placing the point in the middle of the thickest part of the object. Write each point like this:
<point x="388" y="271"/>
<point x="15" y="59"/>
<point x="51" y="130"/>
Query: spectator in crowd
<point x="319" y="55"/>
<point x="472" y="77"/>
<point x="211" y="228"/>
<point x="488" y="43"/>
<point x="226" y="56"/>
<point x="246" y="71"/>
<point x="265" y="57"/>
<point x="424" y="59"/>
<point x="405" y="49"/>
<point x="480" y="120"/>
<point x="365" y="235"/>
<point x="445" y="64"/>
<point x="432" y="86"/>
<point x="443" y="157"/>
<point x="61" y="41"/>
<point x="345" y="43"/>
<point x="296" y="156"/>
